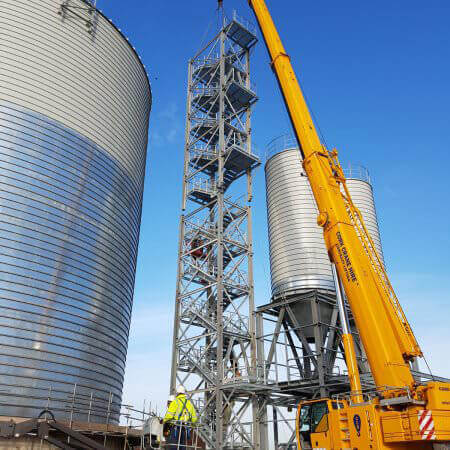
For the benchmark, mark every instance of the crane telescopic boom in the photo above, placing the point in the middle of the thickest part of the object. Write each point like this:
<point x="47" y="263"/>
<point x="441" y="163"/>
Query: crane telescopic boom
<point x="385" y="333"/>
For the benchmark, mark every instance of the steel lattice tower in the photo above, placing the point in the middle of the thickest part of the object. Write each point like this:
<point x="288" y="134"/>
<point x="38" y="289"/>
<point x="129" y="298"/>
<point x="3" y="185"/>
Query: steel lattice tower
<point x="214" y="345"/>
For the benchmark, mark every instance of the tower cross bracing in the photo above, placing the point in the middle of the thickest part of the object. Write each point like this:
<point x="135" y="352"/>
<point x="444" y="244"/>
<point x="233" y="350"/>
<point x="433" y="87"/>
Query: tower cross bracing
<point x="214" y="344"/>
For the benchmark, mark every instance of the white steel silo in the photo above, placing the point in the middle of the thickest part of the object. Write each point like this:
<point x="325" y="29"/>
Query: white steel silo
<point x="298" y="258"/>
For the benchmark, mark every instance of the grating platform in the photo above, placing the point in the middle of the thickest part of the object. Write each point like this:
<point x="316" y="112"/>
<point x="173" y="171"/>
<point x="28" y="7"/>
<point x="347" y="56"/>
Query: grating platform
<point x="241" y="35"/>
<point x="208" y="71"/>
<point x="205" y="161"/>
<point x="207" y="102"/>
<point x="239" y="160"/>
<point x="202" y="193"/>
<point x="236" y="163"/>
<point x="207" y="131"/>
<point x="239" y="96"/>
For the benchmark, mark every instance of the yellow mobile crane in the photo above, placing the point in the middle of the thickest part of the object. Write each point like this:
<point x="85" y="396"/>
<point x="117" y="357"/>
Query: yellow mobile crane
<point x="401" y="412"/>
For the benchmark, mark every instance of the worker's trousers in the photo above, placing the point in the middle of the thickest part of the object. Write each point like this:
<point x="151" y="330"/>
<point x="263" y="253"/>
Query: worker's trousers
<point x="178" y="437"/>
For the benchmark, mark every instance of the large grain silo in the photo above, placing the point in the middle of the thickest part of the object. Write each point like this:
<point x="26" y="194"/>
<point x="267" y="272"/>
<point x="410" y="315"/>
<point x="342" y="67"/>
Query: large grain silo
<point x="303" y="289"/>
<point x="74" y="108"/>
<point x="298" y="257"/>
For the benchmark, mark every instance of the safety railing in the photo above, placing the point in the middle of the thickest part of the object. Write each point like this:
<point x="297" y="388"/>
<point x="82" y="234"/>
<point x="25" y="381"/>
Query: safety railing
<point x="204" y="89"/>
<point x="235" y="140"/>
<point x="209" y="63"/>
<point x="280" y="144"/>
<point x="357" y="172"/>
<point x="203" y="119"/>
<point x="234" y="324"/>
<point x="234" y="373"/>
<point x="202" y="155"/>
<point x="237" y="76"/>
<point x="202" y="148"/>
<point x="206" y="61"/>
<point x="82" y="410"/>
<point x="290" y="370"/>
<point x="288" y="142"/>
<point x="249" y="26"/>
<point x="203" y="186"/>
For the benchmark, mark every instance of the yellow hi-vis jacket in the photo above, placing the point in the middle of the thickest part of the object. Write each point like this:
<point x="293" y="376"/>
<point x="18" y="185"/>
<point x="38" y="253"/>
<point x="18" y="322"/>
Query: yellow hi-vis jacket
<point x="181" y="410"/>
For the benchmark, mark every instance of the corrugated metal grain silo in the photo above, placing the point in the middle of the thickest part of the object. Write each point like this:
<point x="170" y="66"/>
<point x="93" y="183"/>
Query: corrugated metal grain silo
<point x="74" y="109"/>
<point x="298" y="258"/>
<point x="360" y="187"/>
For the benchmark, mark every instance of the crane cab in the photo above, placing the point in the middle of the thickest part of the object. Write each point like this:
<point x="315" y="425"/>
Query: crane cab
<point x="313" y="427"/>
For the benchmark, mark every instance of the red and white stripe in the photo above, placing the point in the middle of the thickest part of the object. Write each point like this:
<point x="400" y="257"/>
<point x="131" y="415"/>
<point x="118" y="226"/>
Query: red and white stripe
<point x="426" y="425"/>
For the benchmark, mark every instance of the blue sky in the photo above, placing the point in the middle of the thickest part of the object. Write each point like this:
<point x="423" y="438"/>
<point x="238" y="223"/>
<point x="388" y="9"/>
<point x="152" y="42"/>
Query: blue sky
<point x="377" y="76"/>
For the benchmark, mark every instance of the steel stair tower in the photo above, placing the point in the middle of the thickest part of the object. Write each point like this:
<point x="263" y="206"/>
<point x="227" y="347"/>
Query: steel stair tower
<point x="214" y="344"/>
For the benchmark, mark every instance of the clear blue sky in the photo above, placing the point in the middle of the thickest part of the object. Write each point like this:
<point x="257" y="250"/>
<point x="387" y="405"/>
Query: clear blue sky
<point x="377" y="76"/>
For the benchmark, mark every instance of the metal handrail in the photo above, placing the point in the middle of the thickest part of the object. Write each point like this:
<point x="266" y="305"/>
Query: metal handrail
<point x="206" y="89"/>
<point x="280" y="144"/>
<point x="249" y="26"/>
<point x="252" y="88"/>
<point x="210" y="62"/>
<point x="203" y="185"/>
<point x="288" y="142"/>
<point x="357" y="172"/>
<point x="79" y="407"/>
<point x="206" y="61"/>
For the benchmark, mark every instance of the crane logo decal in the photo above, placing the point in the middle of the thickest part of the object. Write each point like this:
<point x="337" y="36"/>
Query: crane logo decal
<point x="357" y="423"/>
<point x="345" y="259"/>
<point x="426" y="425"/>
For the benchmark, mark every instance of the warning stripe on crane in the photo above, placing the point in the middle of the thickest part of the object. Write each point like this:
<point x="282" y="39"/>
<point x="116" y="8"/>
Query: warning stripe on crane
<point x="426" y="425"/>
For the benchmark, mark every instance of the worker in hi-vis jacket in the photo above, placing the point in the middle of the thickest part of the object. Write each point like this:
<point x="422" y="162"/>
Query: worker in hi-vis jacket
<point x="179" y="419"/>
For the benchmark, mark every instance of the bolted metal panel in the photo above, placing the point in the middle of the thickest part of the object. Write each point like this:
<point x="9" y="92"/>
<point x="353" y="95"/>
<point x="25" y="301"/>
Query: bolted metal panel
<point x="298" y="257"/>
<point x="87" y="78"/>
<point x="74" y="108"/>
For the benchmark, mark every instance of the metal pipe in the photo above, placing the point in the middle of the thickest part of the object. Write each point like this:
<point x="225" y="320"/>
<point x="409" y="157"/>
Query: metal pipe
<point x="348" y="343"/>
<point x="340" y="301"/>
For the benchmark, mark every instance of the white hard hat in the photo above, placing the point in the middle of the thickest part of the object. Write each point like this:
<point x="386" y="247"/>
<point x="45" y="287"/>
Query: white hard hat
<point x="181" y="389"/>
<point x="171" y="398"/>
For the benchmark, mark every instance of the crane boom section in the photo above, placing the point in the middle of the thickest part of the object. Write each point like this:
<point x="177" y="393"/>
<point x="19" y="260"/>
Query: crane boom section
<point x="385" y="333"/>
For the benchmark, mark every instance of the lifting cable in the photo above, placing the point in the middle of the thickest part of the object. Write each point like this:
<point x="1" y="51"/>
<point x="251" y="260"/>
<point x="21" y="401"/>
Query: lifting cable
<point x="313" y="115"/>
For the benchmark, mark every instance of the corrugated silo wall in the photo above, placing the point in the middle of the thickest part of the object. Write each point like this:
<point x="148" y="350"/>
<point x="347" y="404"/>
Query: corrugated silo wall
<point x="298" y="257"/>
<point x="74" y="110"/>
